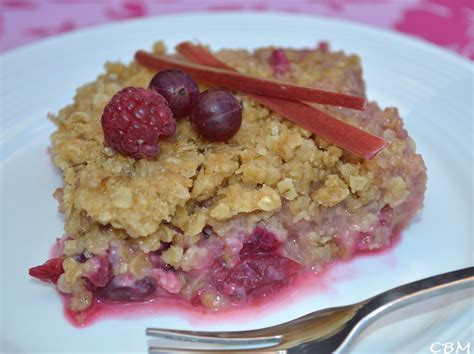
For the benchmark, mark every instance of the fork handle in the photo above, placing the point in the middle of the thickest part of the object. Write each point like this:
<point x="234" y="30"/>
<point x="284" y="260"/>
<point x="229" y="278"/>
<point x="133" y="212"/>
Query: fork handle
<point x="405" y="295"/>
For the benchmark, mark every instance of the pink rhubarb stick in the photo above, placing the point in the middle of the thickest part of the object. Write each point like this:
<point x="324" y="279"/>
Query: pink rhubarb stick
<point x="249" y="84"/>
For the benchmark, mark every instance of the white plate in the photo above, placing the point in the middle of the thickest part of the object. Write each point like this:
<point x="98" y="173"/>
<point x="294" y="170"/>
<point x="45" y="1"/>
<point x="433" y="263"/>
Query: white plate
<point x="431" y="87"/>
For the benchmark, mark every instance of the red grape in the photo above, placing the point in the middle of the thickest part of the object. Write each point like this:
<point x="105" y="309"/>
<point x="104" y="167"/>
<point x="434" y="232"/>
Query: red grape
<point x="217" y="115"/>
<point x="178" y="88"/>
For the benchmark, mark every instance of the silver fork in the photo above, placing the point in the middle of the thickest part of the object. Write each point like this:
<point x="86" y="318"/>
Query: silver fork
<point x="324" y="331"/>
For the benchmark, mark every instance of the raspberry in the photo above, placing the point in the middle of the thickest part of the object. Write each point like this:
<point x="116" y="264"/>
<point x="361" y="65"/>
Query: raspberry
<point x="279" y="62"/>
<point x="261" y="240"/>
<point x="134" y="120"/>
<point x="48" y="272"/>
<point x="260" y="273"/>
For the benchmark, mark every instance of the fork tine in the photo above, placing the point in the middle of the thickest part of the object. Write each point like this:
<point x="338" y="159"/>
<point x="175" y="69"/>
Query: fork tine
<point x="162" y="350"/>
<point x="256" y="334"/>
<point x="223" y="338"/>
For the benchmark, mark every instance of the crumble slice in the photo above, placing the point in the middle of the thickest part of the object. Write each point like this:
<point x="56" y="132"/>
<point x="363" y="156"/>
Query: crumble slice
<point x="204" y="220"/>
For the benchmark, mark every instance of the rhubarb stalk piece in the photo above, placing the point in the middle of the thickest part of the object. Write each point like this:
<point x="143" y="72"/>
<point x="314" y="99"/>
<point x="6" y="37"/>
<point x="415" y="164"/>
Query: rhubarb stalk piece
<point x="320" y="123"/>
<point x="249" y="84"/>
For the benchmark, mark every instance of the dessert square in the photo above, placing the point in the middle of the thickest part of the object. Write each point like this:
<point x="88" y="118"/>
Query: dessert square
<point x="222" y="224"/>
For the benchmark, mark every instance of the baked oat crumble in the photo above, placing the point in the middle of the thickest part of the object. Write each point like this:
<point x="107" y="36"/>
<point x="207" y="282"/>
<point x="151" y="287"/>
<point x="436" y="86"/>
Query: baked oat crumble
<point x="168" y="221"/>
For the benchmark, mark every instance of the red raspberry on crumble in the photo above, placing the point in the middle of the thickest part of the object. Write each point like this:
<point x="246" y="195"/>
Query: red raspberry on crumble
<point x="134" y="120"/>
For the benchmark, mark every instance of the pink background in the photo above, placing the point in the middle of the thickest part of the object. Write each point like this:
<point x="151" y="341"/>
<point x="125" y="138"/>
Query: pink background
<point x="448" y="23"/>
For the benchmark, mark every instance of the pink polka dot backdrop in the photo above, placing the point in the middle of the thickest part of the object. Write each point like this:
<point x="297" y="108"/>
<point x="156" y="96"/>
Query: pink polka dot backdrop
<point x="447" y="23"/>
